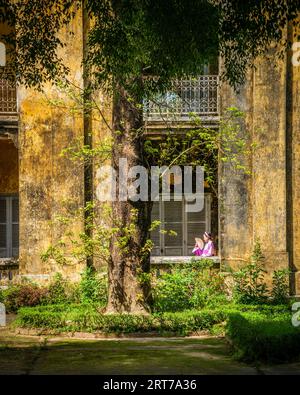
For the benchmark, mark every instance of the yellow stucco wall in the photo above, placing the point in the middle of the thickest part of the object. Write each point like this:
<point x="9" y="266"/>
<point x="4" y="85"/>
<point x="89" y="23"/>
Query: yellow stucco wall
<point x="293" y="118"/>
<point x="51" y="185"/>
<point x="265" y="205"/>
<point x="269" y="160"/>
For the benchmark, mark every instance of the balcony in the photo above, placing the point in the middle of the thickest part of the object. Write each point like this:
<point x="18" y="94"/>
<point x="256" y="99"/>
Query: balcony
<point x="197" y="96"/>
<point x="8" y="107"/>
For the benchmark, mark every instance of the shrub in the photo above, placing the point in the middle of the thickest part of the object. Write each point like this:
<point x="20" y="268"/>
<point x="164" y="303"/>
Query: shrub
<point x="258" y="337"/>
<point x="188" y="286"/>
<point x="249" y="282"/>
<point x="171" y="292"/>
<point x="21" y="295"/>
<point x="92" y="287"/>
<point x="280" y="286"/>
<point x="57" y="291"/>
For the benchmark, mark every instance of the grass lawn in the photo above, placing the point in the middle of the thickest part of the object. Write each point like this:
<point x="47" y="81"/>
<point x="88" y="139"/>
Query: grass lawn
<point x="257" y="334"/>
<point x="31" y="355"/>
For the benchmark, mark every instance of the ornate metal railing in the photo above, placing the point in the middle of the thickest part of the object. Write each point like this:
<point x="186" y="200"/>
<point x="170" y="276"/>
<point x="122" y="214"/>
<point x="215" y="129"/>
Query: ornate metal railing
<point x="8" y="97"/>
<point x="198" y="96"/>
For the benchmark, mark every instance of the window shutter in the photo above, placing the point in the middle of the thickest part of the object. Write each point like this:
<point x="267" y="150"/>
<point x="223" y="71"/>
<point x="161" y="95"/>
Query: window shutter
<point x="9" y="227"/>
<point x="173" y="222"/>
<point x="3" y="228"/>
<point x="155" y="235"/>
<point x="15" y="227"/>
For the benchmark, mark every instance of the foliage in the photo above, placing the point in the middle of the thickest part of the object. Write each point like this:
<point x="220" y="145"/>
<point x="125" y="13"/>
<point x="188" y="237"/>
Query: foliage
<point x="257" y="337"/>
<point x="17" y="296"/>
<point x="188" y="286"/>
<point x="93" y="288"/>
<point x="133" y="36"/>
<point x="203" y="146"/>
<point x="128" y="39"/>
<point x="83" y="245"/>
<point x="58" y="291"/>
<point x="249" y="284"/>
<point x="37" y="23"/>
<point x="280" y="286"/>
<point x="248" y="29"/>
<point x="87" y="318"/>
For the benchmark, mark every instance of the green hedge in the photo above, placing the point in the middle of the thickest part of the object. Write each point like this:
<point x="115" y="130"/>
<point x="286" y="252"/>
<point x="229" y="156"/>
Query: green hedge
<point x="87" y="318"/>
<point x="261" y="337"/>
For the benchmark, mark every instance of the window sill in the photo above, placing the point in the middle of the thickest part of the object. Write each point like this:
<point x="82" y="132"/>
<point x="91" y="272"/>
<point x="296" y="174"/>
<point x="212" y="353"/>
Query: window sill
<point x="169" y="260"/>
<point x="9" y="263"/>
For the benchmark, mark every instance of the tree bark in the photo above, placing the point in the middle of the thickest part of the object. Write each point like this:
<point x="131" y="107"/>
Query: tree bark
<point x="127" y="292"/>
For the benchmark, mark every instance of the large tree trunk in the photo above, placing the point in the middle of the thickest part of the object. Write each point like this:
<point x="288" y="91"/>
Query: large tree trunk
<point x="128" y="293"/>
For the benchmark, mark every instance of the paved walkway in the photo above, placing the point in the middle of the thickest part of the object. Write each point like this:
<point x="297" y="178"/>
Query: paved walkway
<point x="31" y="355"/>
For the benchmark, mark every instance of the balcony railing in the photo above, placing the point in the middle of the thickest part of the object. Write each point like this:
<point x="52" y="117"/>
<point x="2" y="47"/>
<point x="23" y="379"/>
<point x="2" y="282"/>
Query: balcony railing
<point x="8" y="97"/>
<point x="198" y="96"/>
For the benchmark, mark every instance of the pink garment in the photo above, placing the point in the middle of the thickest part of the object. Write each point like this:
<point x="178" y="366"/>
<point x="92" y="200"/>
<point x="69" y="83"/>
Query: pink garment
<point x="208" y="250"/>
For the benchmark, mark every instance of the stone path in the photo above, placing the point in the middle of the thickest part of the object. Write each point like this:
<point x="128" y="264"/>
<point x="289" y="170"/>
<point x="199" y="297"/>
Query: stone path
<point x="33" y="355"/>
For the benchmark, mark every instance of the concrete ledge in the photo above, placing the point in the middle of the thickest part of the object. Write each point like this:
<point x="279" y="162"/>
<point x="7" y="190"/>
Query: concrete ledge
<point x="41" y="277"/>
<point x="170" y="260"/>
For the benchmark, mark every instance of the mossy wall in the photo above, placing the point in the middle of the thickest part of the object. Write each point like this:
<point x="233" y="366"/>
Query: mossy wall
<point x="265" y="205"/>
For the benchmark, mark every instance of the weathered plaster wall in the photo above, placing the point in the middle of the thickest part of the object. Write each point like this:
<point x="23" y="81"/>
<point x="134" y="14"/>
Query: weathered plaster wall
<point x="51" y="185"/>
<point x="235" y="187"/>
<point x="269" y="161"/>
<point x="266" y="205"/>
<point x="9" y="167"/>
<point x="293" y="171"/>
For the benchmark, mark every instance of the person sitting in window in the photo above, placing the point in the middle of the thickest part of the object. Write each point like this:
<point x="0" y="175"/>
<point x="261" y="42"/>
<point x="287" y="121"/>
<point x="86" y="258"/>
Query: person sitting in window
<point x="206" y="248"/>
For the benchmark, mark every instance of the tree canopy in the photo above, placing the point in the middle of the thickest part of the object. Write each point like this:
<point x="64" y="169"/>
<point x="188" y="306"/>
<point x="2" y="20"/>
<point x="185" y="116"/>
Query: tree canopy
<point x="158" y="39"/>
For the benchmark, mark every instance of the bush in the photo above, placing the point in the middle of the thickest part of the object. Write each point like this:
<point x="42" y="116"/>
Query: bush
<point x="92" y="287"/>
<point x="87" y="318"/>
<point x="249" y="284"/>
<point x="280" y="286"/>
<point x="189" y="286"/>
<point x="264" y="338"/>
<point x="57" y="291"/>
<point x="21" y="295"/>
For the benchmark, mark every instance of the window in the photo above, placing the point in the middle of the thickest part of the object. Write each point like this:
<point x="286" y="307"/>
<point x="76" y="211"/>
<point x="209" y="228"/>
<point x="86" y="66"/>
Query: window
<point x="173" y="217"/>
<point x="9" y="227"/>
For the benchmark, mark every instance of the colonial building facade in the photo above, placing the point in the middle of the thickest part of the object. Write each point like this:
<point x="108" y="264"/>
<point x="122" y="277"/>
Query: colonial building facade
<point x="37" y="182"/>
